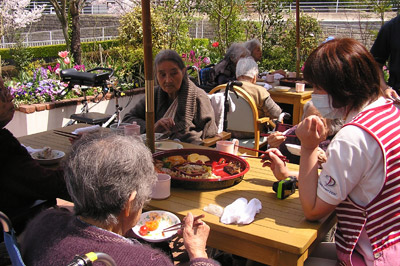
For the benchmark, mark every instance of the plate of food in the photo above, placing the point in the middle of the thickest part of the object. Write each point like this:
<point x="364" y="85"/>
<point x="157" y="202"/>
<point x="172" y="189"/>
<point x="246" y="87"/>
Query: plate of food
<point x="281" y="88"/>
<point x="201" y="168"/>
<point x="167" y="145"/>
<point x="48" y="156"/>
<point x="151" y="224"/>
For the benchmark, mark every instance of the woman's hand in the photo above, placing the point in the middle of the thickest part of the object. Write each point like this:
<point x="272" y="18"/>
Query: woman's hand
<point x="277" y="166"/>
<point x="275" y="139"/>
<point x="164" y="125"/>
<point x="311" y="131"/>
<point x="195" y="234"/>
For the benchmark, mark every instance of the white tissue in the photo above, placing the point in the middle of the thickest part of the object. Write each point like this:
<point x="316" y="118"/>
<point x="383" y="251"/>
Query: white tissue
<point x="241" y="212"/>
<point x="30" y="149"/>
<point x="267" y="86"/>
<point x="214" y="209"/>
<point x="86" y="129"/>
<point x="278" y="76"/>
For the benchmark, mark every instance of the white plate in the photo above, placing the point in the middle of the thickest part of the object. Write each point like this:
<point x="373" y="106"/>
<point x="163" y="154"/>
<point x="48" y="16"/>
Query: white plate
<point x="56" y="157"/>
<point x="293" y="149"/>
<point x="167" y="145"/>
<point x="281" y="88"/>
<point x="296" y="149"/>
<point x="167" y="219"/>
<point x="157" y="136"/>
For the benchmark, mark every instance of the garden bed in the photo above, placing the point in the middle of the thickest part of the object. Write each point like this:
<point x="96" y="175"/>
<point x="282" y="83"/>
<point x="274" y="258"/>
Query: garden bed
<point x="34" y="118"/>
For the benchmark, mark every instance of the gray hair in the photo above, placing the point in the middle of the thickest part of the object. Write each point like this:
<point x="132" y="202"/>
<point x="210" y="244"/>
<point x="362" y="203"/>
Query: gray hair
<point x="101" y="172"/>
<point x="246" y="67"/>
<point x="235" y="52"/>
<point x="172" y="56"/>
<point x="252" y="44"/>
<point x="334" y="125"/>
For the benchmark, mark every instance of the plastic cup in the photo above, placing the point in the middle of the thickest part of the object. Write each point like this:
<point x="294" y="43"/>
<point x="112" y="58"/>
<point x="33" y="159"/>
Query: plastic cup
<point x="228" y="146"/>
<point x="270" y="78"/>
<point x="119" y="128"/>
<point x="132" y="130"/>
<point x="300" y="87"/>
<point x="162" y="188"/>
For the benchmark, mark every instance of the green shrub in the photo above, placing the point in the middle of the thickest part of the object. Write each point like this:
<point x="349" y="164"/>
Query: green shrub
<point x="51" y="51"/>
<point x="131" y="32"/>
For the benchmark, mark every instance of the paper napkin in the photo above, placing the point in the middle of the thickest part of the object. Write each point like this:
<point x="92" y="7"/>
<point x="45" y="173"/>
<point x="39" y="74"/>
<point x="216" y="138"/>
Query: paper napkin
<point x="241" y="211"/>
<point x="86" y="129"/>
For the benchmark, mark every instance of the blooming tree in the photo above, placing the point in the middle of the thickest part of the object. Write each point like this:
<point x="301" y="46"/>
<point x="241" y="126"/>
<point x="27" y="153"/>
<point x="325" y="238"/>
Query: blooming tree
<point x="14" y="15"/>
<point x="119" y="7"/>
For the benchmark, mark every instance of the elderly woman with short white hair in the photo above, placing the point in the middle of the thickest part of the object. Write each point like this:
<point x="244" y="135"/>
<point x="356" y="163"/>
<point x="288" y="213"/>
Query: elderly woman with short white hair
<point x="110" y="178"/>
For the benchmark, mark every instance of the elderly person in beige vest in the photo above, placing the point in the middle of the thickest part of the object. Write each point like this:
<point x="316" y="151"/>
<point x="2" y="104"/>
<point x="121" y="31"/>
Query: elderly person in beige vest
<point x="247" y="72"/>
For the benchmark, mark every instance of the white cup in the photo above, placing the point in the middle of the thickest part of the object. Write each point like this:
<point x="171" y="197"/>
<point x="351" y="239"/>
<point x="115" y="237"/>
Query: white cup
<point x="228" y="146"/>
<point x="162" y="188"/>
<point x="291" y="74"/>
<point x="133" y="129"/>
<point x="270" y="78"/>
<point x="300" y="87"/>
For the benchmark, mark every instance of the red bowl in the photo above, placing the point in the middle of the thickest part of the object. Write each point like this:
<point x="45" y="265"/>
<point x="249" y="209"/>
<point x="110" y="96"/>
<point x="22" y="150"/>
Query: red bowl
<point x="214" y="155"/>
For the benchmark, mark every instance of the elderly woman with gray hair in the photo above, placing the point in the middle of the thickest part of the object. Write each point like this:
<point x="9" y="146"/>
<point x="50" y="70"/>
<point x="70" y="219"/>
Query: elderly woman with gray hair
<point x="110" y="178"/>
<point x="225" y="70"/>
<point x="182" y="110"/>
<point x="255" y="49"/>
<point x="246" y="72"/>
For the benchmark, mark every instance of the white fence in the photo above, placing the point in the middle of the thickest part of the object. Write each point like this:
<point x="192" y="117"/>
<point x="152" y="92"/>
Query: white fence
<point x="317" y="6"/>
<point x="40" y="38"/>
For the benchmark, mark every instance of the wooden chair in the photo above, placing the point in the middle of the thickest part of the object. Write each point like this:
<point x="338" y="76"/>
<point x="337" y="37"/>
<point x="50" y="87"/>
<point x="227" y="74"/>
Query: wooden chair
<point x="245" y="118"/>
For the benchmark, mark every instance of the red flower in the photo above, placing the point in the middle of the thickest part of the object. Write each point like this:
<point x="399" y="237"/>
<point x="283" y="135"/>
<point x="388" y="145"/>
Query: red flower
<point x="215" y="44"/>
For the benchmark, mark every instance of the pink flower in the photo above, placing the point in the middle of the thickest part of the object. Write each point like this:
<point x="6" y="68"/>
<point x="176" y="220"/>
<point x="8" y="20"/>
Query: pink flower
<point x="206" y="60"/>
<point x="63" y="54"/>
<point x="191" y="53"/>
<point x="67" y="60"/>
<point x="215" y="44"/>
<point x="183" y="55"/>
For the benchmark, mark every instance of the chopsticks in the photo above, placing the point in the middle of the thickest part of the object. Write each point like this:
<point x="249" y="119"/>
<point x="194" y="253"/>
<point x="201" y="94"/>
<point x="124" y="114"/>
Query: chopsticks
<point x="283" y="158"/>
<point x="267" y="134"/>
<point x="66" y="134"/>
<point x="179" y="225"/>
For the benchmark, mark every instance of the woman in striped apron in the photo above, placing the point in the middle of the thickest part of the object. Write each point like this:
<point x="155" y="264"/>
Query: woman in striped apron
<point x="361" y="177"/>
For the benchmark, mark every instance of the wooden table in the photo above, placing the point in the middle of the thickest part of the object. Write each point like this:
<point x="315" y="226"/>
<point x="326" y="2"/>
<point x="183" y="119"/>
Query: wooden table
<point x="50" y="139"/>
<point x="280" y="235"/>
<point x="297" y="99"/>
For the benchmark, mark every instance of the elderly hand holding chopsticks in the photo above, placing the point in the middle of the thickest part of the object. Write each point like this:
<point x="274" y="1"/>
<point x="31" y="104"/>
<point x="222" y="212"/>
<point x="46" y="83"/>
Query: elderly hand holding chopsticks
<point x="195" y="233"/>
<point x="275" y="139"/>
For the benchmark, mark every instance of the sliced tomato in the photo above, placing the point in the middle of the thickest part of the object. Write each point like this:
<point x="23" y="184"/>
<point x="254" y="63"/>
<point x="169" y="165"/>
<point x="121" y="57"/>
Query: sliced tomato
<point x="143" y="230"/>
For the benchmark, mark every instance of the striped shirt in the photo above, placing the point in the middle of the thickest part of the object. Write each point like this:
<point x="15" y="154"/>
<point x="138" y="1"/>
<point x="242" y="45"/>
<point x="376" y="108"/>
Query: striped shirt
<point x="380" y="217"/>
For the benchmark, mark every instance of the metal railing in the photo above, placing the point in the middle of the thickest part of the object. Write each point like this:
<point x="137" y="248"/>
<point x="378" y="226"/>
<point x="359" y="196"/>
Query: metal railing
<point x="317" y="6"/>
<point x="334" y="6"/>
<point x="40" y="38"/>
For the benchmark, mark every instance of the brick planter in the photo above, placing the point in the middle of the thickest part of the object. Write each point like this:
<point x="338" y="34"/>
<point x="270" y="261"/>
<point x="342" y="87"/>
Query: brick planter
<point x="34" y="118"/>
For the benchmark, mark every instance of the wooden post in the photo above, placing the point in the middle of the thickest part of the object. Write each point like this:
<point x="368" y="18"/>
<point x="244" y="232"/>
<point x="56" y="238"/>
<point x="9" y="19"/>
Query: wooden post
<point x="148" y="72"/>
<point x="297" y="39"/>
